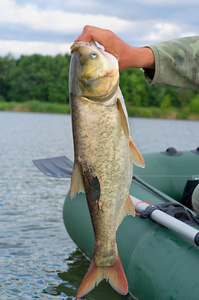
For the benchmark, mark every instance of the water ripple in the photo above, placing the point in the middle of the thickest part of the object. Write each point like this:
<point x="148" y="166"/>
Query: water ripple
<point x="37" y="257"/>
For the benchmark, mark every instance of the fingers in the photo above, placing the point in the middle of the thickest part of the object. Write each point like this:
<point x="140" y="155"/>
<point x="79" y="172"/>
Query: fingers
<point x="103" y="36"/>
<point x="96" y="34"/>
<point x="87" y="34"/>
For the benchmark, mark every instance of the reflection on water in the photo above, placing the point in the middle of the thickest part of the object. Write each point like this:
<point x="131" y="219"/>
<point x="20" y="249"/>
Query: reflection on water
<point x="38" y="260"/>
<point x="77" y="267"/>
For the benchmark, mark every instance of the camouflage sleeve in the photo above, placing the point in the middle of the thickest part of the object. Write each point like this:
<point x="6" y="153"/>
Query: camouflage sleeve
<point x="176" y="63"/>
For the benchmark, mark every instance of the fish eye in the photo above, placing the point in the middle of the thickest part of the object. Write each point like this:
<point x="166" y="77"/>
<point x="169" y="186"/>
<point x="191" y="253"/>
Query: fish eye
<point x="93" y="55"/>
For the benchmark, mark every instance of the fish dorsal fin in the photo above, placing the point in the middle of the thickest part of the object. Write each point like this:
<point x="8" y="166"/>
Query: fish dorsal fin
<point x="77" y="183"/>
<point x="127" y="209"/>
<point x="123" y="117"/>
<point x="135" y="154"/>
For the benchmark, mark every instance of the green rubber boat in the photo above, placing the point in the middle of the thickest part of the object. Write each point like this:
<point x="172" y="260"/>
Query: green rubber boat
<point x="159" y="246"/>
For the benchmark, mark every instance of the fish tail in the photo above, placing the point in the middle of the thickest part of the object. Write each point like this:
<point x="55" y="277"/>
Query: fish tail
<point x="114" y="275"/>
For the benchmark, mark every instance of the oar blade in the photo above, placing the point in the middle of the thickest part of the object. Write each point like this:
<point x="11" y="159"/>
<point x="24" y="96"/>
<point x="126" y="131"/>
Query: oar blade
<point x="58" y="167"/>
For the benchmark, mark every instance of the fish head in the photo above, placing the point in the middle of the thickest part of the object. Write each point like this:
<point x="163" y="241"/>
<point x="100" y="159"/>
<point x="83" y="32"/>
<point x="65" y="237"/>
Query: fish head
<point x="95" y="72"/>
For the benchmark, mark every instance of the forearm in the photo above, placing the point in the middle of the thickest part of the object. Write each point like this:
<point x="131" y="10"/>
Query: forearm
<point x="176" y="63"/>
<point x="137" y="58"/>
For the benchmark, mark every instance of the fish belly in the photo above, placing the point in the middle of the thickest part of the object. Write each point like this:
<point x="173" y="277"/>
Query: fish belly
<point x="102" y="152"/>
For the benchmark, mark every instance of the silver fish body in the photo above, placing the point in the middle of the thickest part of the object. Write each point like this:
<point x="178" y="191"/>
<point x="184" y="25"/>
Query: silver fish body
<point x="103" y="151"/>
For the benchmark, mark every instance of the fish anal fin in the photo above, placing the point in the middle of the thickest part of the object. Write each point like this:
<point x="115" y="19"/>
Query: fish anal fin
<point x="113" y="274"/>
<point x="135" y="154"/>
<point x="77" y="184"/>
<point x="123" y="117"/>
<point x="127" y="209"/>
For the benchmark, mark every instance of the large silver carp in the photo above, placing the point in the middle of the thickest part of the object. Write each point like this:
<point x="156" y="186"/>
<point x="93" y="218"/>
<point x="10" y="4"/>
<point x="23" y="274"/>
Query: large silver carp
<point x="104" y="152"/>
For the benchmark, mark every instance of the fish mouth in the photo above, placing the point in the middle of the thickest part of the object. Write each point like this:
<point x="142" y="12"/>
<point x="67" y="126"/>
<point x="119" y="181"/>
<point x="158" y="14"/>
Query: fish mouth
<point x="99" y="99"/>
<point x="75" y="47"/>
<point x="88" y="79"/>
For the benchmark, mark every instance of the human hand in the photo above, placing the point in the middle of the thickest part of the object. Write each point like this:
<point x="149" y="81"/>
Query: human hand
<point x="128" y="56"/>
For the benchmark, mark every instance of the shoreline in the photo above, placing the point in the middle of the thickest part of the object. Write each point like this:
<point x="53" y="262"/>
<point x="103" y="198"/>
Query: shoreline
<point x="133" y="111"/>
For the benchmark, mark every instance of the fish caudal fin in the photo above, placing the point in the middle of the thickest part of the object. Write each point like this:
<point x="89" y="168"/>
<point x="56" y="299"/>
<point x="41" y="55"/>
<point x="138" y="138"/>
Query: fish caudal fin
<point x="114" y="275"/>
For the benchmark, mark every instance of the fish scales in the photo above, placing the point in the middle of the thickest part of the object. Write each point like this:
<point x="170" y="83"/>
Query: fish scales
<point x="104" y="151"/>
<point x="100" y="147"/>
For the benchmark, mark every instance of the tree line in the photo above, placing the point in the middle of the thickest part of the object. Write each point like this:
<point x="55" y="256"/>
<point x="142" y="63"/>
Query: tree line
<point x="45" y="78"/>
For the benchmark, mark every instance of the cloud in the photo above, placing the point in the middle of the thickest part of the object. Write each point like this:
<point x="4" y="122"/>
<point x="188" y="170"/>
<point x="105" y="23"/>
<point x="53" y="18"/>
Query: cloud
<point x="28" y="48"/>
<point x="24" y="22"/>
<point x="48" y="26"/>
<point x="169" y="2"/>
<point x="163" y="31"/>
<point x="56" y="20"/>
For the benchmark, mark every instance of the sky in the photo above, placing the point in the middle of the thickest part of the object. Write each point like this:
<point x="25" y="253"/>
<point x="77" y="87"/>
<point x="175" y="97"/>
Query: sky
<point x="49" y="27"/>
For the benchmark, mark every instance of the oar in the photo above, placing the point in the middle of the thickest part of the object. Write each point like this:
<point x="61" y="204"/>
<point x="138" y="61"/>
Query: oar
<point x="168" y="221"/>
<point x="61" y="167"/>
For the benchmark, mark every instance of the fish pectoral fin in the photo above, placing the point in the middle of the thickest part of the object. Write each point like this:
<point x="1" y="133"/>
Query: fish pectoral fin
<point x="127" y="209"/>
<point x="135" y="154"/>
<point x="114" y="275"/>
<point x="77" y="183"/>
<point x="123" y="117"/>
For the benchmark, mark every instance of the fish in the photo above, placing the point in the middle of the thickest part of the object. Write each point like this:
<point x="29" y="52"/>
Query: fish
<point x="104" y="154"/>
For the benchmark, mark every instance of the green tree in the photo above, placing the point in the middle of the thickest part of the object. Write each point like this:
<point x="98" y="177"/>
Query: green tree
<point x="6" y="64"/>
<point x="194" y="105"/>
<point x="44" y="78"/>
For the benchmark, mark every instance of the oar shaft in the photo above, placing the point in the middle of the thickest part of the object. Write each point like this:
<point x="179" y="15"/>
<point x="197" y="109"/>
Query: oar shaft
<point x="168" y="221"/>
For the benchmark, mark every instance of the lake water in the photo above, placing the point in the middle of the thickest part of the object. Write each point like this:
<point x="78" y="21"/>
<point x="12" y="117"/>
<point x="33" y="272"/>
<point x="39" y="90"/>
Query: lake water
<point x="38" y="260"/>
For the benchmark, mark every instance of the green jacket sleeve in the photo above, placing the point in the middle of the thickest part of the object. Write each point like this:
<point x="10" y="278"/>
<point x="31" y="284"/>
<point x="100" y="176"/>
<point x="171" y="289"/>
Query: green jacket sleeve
<point x="176" y="63"/>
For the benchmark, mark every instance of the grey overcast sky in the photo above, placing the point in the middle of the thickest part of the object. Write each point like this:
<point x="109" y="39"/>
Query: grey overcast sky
<point x="50" y="26"/>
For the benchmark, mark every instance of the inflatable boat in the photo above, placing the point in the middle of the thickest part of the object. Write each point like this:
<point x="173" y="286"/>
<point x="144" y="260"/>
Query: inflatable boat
<point x="159" y="246"/>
